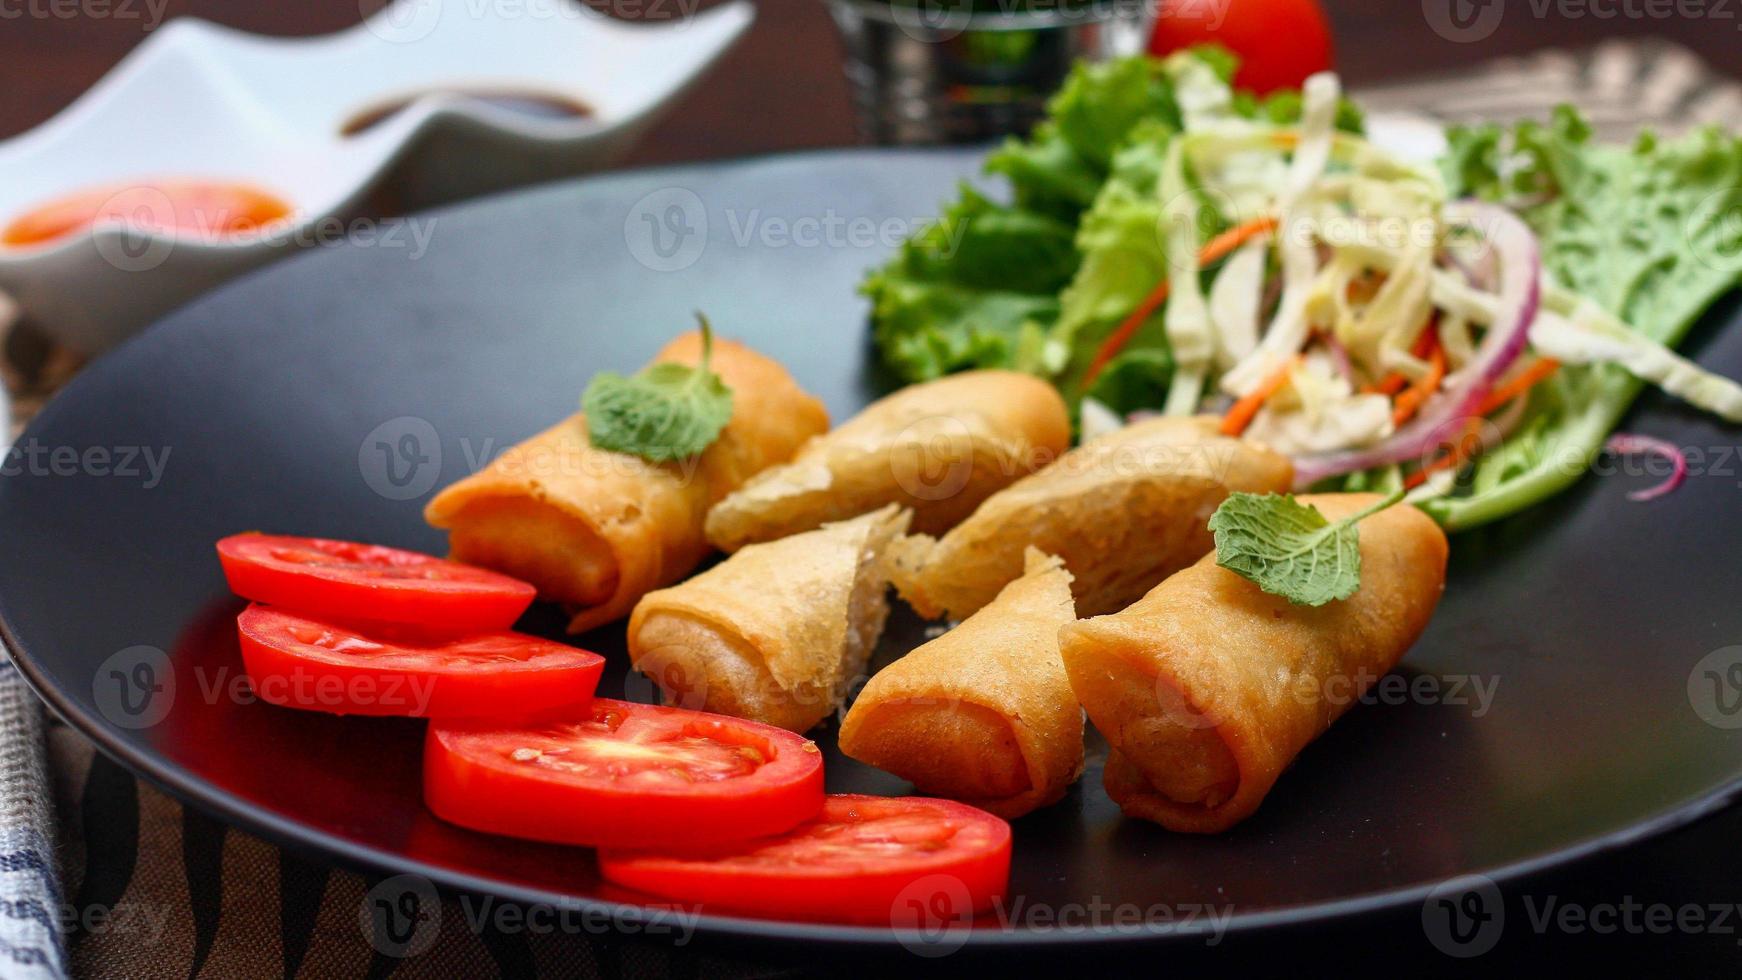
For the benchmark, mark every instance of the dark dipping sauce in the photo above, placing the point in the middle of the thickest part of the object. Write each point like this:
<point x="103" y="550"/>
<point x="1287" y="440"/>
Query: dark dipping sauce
<point x="537" y="105"/>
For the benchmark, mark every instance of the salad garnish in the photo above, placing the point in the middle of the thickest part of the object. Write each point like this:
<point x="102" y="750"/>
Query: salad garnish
<point x="1626" y="444"/>
<point x="663" y="413"/>
<point x="1289" y="548"/>
<point x="1470" y="329"/>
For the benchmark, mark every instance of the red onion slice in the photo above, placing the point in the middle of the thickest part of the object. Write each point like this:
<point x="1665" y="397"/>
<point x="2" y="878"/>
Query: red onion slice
<point x="1625" y="444"/>
<point x="1339" y="356"/>
<point x="1519" y="263"/>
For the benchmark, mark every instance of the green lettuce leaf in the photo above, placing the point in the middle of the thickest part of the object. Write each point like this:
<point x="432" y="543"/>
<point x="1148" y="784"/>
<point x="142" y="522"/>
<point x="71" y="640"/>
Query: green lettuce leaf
<point x="1648" y="231"/>
<point x="1037" y="283"/>
<point x="929" y="329"/>
<point x="1100" y="103"/>
<point x="982" y="245"/>
<point x="975" y="289"/>
<point x="1123" y="257"/>
<point x="1046" y="176"/>
<point x="1136" y="379"/>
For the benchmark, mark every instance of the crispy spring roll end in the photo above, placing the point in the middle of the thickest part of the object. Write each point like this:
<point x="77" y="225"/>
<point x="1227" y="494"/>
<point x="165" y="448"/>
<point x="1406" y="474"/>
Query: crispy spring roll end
<point x="523" y="537"/>
<point x="971" y="752"/>
<point x="709" y="667"/>
<point x="984" y="713"/>
<point x="778" y="632"/>
<point x="1188" y="762"/>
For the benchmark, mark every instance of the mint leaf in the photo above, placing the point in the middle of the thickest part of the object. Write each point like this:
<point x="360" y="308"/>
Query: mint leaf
<point x="1288" y="548"/>
<point x="665" y="412"/>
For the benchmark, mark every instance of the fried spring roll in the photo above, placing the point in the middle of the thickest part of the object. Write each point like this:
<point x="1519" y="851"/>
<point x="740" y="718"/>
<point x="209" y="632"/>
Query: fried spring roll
<point x="1124" y="511"/>
<point x="776" y="632"/>
<point x="1208" y="687"/>
<point x="596" y="530"/>
<point x="937" y="449"/>
<point x="983" y="713"/>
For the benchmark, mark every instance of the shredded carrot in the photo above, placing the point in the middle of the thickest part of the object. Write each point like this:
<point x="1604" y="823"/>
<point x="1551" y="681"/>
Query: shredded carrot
<point x="1243" y="411"/>
<point x="1410" y="400"/>
<point x="1468" y="443"/>
<point x="1216" y="248"/>
<point x="1224" y="244"/>
<point x="1396" y="381"/>
<point x="1525" y="380"/>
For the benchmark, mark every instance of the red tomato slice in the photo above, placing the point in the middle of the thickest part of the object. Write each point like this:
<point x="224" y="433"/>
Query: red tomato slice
<point x="370" y="583"/>
<point x="626" y="775"/>
<point x="906" y="863"/>
<point x="298" y="662"/>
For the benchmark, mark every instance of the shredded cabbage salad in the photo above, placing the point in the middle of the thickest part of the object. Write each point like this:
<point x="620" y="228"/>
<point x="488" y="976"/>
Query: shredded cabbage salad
<point x="1471" y="331"/>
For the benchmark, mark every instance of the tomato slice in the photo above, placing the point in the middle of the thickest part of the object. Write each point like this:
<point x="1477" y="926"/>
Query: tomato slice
<point x="909" y="862"/>
<point x="624" y="775"/>
<point x="370" y="583"/>
<point x="300" y="662"/>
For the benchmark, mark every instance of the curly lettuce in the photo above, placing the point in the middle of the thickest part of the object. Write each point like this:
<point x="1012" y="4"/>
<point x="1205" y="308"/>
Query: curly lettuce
<point x="980" y="287"/>
<point x="1648" y="232"/>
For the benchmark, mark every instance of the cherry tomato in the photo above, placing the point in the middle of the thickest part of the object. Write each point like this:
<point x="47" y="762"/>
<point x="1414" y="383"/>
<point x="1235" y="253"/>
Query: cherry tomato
<point x="1280" y="42"/>
<point x="206" y="209"/>
<point x="299" y="662"/>
<point x="909" y="862"/>
<point x="359" y="583"/>
<point x="624" y="775"/>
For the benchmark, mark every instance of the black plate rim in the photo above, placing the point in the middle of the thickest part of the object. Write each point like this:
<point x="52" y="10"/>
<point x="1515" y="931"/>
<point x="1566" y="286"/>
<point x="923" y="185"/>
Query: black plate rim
<point x="282" y="831"/>
<point x="289" y="833"/>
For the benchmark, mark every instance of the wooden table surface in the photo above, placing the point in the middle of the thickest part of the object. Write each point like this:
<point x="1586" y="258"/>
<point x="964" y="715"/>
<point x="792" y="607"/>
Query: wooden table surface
<point x="782" y="87"/>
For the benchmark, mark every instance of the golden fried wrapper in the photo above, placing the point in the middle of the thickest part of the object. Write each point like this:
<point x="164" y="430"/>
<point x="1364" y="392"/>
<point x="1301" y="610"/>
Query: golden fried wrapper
<point x="776" y="632"/>
<point x="1208" y="687"/>
<point x="1124" y="511"/>
<point x="937" y="448"/>
<point x="983" y="713"/>
<point x="596" y="530"/>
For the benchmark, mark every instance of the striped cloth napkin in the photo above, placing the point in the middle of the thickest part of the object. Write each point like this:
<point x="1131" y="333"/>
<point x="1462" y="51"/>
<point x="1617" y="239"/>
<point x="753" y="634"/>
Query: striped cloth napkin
<point x="101" y="875"/>
<point x="32" y="945"/>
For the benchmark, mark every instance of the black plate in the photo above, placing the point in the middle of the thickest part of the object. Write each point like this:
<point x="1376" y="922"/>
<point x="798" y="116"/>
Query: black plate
<point x="1593" y="620"/>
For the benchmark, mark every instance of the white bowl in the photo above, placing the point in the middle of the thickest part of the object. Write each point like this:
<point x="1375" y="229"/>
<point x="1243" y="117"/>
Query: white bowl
<point x="198" y="100"/>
